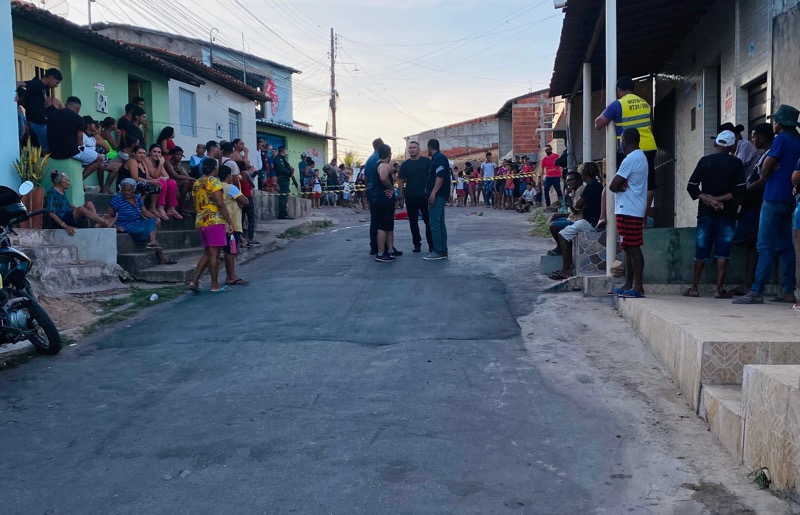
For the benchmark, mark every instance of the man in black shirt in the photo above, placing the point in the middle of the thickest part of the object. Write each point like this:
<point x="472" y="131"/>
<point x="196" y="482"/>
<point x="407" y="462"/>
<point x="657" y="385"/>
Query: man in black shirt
<point x="413" y="178"/>
<point x="134" y="129"/>
<point x="718" y="181"/>
<point x="65" y="130"/>
<point x="36" y="102"/>
<point x="584" y="217"/>
<point x="438" y="191"/>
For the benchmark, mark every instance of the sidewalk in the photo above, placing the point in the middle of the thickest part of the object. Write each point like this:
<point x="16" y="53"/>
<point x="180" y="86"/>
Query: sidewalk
<point x="738" y="368"/>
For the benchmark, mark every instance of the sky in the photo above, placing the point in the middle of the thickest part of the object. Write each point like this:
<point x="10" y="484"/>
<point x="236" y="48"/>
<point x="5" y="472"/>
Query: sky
<point x="402" y="66"/>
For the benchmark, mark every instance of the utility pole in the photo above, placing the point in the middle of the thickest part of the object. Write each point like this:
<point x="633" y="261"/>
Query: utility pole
<point x="244" y="62"/>
<point x="333" y="93"/>
<point x="90" y="13"/>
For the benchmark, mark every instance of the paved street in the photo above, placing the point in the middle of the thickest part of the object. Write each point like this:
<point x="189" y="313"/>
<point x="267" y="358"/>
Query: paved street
<point x="334" y="384"/>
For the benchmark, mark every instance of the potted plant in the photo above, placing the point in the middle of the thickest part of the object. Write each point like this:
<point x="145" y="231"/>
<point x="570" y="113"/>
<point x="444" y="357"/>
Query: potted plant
<point x="31" y="167"/>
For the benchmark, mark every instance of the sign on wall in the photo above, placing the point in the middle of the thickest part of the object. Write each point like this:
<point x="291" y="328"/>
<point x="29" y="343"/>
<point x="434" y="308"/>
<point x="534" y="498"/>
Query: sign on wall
<point x="728" y="110"/>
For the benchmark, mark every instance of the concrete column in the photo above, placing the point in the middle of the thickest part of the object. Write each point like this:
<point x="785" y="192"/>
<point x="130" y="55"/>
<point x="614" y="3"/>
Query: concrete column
<point x="8" y="109"/>
<point x="611" y="132"/>
<point x="587" y="112"/>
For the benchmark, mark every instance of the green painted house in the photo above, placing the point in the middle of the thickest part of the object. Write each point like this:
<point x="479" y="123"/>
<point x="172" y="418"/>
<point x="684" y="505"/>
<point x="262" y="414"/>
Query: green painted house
<point x="104" y="73"/>
<point x="297" y="140"/>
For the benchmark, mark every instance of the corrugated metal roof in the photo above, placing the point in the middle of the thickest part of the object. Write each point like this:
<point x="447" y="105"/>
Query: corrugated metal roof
<point x="44" y="19"/>
<point x="648" y="32"/>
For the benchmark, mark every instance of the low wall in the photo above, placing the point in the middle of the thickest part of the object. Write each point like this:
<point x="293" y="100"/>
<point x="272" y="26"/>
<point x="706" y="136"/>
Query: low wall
<point x="668" y="257"/>
<point x="266" y="206"/>
<point x="93" y="245"/>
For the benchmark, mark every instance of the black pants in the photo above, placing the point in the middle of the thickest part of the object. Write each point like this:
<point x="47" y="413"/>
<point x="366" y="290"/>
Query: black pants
<point x="373" y="230"/>
<point x="283" y="198"/>
<point x="415" y="206"/>
<point x="250" y="213"/>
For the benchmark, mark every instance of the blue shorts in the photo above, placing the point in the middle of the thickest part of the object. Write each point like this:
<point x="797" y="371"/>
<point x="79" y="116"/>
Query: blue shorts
<point x="796" y="220"/>
<point x="510" y="192"/>
<point x="560" y="223"/>
<point x="716" y="231"/>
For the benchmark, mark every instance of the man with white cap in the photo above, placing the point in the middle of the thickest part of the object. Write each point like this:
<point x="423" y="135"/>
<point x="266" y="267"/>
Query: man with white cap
<point x="718" y="181"/>
<point x="775" y="227"/>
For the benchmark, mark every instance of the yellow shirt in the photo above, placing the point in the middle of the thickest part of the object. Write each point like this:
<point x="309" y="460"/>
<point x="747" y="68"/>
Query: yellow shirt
<point x="207" y="209"/>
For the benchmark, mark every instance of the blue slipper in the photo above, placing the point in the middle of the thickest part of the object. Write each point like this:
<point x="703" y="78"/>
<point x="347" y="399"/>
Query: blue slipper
<point x="616" y="291"/>
<point x="223" y="289"/>
<point x="632" y="294"/>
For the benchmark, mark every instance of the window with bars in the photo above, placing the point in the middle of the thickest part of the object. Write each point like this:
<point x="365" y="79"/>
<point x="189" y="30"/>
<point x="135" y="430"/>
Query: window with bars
<point x="187" y="107"/>
<point x="233" y="123"/>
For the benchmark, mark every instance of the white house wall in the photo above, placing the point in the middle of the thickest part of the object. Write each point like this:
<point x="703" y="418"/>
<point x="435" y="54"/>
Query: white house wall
<point x="709" y="65"/>
<point x="212" y="104"/>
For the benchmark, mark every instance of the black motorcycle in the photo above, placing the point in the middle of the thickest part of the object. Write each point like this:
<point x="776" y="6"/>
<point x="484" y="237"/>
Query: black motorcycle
<point x="21" y="316"/>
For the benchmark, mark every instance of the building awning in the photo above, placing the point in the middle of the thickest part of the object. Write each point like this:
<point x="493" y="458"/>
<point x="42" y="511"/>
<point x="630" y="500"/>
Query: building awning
<point x="648" y="32"/>
<point x="72" y="31"/>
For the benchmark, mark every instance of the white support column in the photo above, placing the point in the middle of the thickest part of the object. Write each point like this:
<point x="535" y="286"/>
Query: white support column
<point x="587" y="112"/>
<point x="611" y="133"/>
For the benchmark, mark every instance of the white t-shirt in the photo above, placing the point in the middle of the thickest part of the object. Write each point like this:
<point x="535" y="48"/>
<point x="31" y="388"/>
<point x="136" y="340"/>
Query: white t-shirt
<point x="633" y="201"/>
<point x="528" y="194"/>
<point x="317" y="186"/>
<point x="488" y="169"/>
<point x="346" y="187"/>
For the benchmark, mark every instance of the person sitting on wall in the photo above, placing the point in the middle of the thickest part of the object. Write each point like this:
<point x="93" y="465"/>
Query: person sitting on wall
<point x="63" y="214"/>
<point x="168" y="196"/>
<point x="559" y="221"/>
<point x="134" y="219"/>
<point x="176" y="172"/>
<point x="93" y="152"/>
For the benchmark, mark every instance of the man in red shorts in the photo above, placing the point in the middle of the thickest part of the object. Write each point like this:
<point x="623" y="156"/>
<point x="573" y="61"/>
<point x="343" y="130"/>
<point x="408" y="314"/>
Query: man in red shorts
<point x="630" y="203"/>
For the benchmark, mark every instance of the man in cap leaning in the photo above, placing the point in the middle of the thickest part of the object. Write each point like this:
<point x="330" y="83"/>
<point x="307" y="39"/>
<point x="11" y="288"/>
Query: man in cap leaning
<point x="718" y="181"/>
<point x="775" y="229"/>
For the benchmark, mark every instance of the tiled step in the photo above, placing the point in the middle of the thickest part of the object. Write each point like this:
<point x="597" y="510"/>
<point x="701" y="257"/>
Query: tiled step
<point x="721" y="407"/>
<point x="702" y="340"/>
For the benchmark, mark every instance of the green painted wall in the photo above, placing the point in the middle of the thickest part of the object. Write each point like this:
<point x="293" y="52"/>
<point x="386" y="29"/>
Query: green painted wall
<point x="297" y="144"/>
<point x="83" y="66"/>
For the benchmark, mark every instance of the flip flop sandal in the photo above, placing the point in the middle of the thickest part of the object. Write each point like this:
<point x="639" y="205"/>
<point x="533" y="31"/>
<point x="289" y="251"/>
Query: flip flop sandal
<point x="194" y="287"/>
<point x="169" y="262"/>
<point x="723" y="295"/>
<point x="558" y="276"/>
<point x="153" y="246"/>
<point x="688" y="292"/>
<point x="616" y="291"/>
<point x="237" y="282"/>
<point x="223" y="289"/>
<point x="633" y="294"/>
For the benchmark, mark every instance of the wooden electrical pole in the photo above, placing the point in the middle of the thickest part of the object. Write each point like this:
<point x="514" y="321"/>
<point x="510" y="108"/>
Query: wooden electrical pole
<point x="333" y="93"/>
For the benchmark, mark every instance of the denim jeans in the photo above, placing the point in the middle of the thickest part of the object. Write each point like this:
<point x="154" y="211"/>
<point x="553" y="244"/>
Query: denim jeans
<point x="40" y="130"/>
<point x="552" y="182"/>
<point x="488" y="192"/>
<point x="775" y="238"/>
<point x="714" y="231"/>
<point x="438" y="229"/>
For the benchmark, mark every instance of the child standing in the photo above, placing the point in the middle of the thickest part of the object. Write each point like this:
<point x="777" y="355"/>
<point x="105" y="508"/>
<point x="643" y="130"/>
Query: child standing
<point x="316" y="191"/>
<point x="461" y="195"/>
<point x="346" y="193"/>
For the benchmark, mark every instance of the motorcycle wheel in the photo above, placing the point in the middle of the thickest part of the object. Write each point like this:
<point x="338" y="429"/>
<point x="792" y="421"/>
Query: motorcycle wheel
<point x="46" y="338"/>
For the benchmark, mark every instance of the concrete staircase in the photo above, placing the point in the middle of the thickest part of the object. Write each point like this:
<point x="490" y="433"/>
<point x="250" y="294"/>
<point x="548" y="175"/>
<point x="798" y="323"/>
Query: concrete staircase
<point x="739" y="369"/>
<point x="180" y="242"/>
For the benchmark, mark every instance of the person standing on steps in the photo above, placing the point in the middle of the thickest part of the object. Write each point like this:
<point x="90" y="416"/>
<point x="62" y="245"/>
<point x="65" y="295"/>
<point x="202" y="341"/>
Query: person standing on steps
<point x="438" y="191"/>
<point x="630" y="203"/>
<point x="284" y="173"/>
<point x="413" y="178"/>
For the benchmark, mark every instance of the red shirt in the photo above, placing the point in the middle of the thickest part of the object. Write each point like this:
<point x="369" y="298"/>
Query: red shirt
<point x="549" y="166"/>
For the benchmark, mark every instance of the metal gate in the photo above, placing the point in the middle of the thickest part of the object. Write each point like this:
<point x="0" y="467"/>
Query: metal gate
<point x="664" y="133"/>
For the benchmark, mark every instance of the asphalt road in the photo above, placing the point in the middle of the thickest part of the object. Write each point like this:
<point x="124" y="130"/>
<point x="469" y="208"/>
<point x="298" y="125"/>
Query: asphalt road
<point x="331" y="384"/>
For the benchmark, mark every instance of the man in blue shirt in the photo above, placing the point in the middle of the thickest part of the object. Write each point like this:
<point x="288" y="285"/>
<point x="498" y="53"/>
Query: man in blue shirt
<point x="370" y="167"/>
<point x="438" y="192"/>
<point x="775" y="228"/>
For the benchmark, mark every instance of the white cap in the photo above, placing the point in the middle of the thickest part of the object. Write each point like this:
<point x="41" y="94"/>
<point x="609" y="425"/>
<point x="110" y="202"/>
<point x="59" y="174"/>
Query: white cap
<point x="726" y="139"/>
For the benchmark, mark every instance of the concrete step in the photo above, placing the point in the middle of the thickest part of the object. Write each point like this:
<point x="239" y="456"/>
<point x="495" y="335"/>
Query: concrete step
<point x="136" y="261"/>
<point x="771" y="410"/>
<point x="178" y="273"/>
<point x="702" y="340"/>
<point x="721" y="407"/>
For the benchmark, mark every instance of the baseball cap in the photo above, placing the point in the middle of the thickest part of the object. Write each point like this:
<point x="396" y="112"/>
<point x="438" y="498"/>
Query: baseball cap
<point x="725" y="139"/>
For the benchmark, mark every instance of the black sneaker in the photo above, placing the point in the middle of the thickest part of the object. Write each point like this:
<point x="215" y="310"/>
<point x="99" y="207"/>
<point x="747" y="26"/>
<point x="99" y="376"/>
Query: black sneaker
<point x="373" y="252"/>
<point x="384" y="258"/>
<point x="395" y="252"/>
<point x="417" y="248"/>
